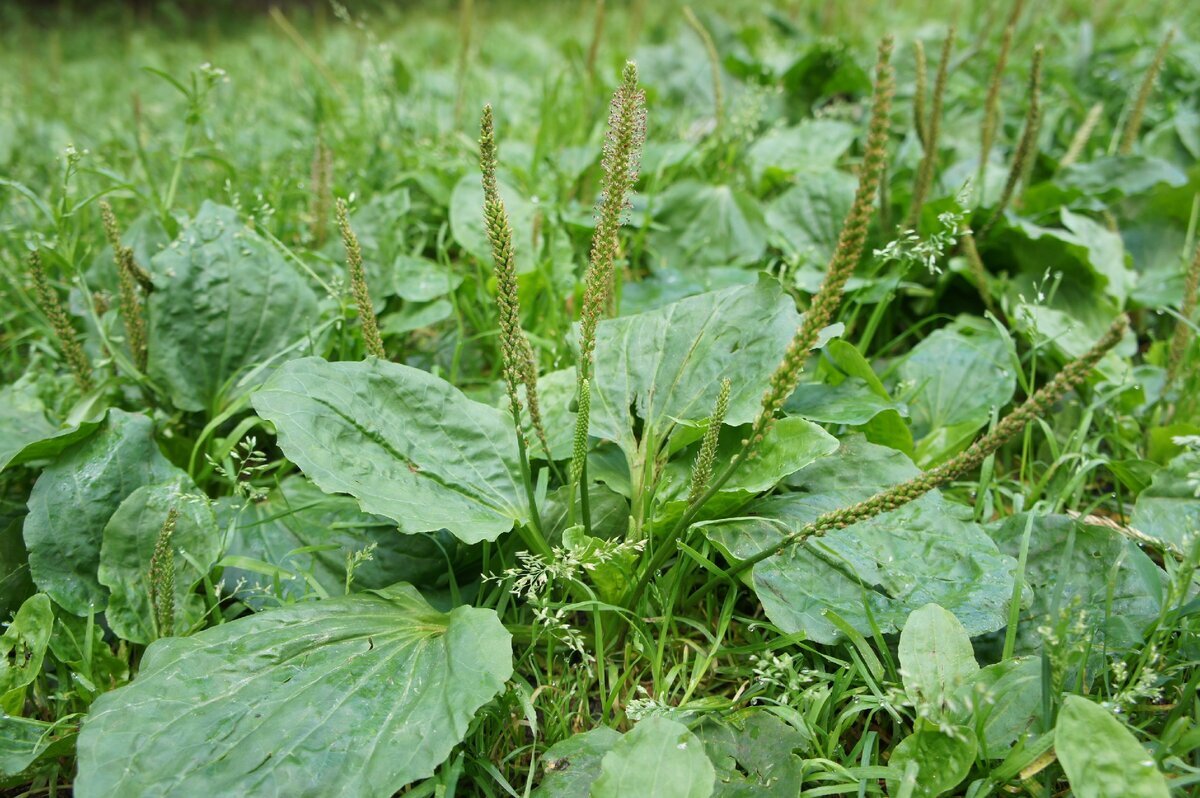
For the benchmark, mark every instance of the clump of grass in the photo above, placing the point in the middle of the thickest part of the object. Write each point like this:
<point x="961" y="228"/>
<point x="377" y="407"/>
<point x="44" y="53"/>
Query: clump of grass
<point x="47" y="301"/>
<point x="1133" y="124"/>
<point x="358" y="285"/>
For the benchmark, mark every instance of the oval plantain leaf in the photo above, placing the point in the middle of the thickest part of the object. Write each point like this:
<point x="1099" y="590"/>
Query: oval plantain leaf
<point x="355" y="696"/>
<point x="1170" y="508"/>
<point x="571" y="766"/>
<point x="406" y="444"/>
<point x="1101" y="757"/>
<point x="26" y="434"/>
<point x="666" y="365"/>
<point x="657" y="757"/>
<point x="22" y="649"/>
<point x="224" y="301"/>
<point x="936" y="658"/>
<point x="943" y="759"/>
<point x="307" y="533"/>
<point x="73" y="499"/>
<point x="128" y="546"/>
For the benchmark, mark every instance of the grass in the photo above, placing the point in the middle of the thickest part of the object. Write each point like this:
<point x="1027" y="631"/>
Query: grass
<point x="760" y="586"/>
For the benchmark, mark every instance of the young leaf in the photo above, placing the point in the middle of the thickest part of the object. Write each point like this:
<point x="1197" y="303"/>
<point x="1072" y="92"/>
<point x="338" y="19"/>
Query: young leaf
<point x="26" y="434"/>
<point x="1170" y="509"/>
<point x="657" y="757"/>
<point x="22" y="648"/>
<point x="1101" y="757"/>
<point x="936" y="657"/>
<point x="943" y="759"/>
<point x="73" y="499"/>
<point x="572" y="765"/>
<point x="224" y="301"/>
<point x="356" y="696"/>
<point x="406" y="444"/>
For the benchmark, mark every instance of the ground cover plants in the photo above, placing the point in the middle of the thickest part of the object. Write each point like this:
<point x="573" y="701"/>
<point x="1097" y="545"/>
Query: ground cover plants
<point x="616" y="400"/>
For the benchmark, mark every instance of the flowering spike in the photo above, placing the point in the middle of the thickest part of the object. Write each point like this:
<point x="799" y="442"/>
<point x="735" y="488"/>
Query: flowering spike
<point x="622" y="160"/>
<point x="1026" y="146"/>
<point x="358" y="284"/>
<point x="47" y="300"/>
<point x="127" y="279"/>
<point x="703" y="467"/>
<point x="1133" y="125"/>
<point x="162" y="577"/>
<point x="932" y="129"/>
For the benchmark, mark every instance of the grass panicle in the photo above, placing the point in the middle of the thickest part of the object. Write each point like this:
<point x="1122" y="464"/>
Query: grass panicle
<point x="130" y="308"/>
<point x="933" y="124"/>
<point x="47" y="300"/>
<point x="161" y="579"/>
<point x="358" y="285"/>
<point x="1036" y="406"/>
<point x="702" y="469"/>
<point x="1133" y="123"/>
<point x="1183" y="330"/>
<point x="1026" y="146"/>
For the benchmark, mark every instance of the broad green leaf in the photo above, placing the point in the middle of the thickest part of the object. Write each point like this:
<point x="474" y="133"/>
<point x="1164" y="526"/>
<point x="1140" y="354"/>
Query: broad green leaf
<point x="927" y="551"/>
<point x="224" y="302"/>
<point x="355" y="696"/>
<point x="467" y="226"/>
<point x="15" y="584"/>
<point x="22" y="648"/>
<point x="894" y="563"/>
<point x="668" y="284"/>
<point x="657" y="757"/>
<point x="414" y="316"/>
<point x="828" y="68"/>
<point x="1170" y="508"/>
<point x="1103" y="567"/>
<point x="25" y="741"/>
<point x="757" y="752"/>
<point x="943" y="759"/>
<point x="308" y="534"/>
<point x="886" y="427"/>
<point x="808" y="217"/>
<point x="666" y="365"/>
<point x="128" y="547"/>
<point x="416" y="279"/>
<point x="556" y="392"/>
<point x="707" y="225"/>
<point x="406" y="444"/>
<point x="1006" y="697"/>
<point x="851" y="401"/>
<point x="25" y="432"/>
<point x="954" y="379"/>
<point x="936" y="658"/>
<point x="1101" y="757"/>
<point x="809" y="150"/>
<point x="572" y="765"/>
<point x="1108" y="178"/>
<point x="73" y="499"/>
<point x="792" y="444"/>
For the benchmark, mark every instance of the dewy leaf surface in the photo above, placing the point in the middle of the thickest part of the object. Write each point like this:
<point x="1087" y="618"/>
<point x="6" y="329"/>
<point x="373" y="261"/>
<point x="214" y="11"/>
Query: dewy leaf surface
<point x="936" y="657"/>
<point x="406" y="444"/>
<point x="224" y="301"/>
<point x="1101" y="756"/>
<point x="354" y="697"/>
<point x="657" y="757"/>
<point x="667" y="364"/>
<point x="73" y="499"/>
